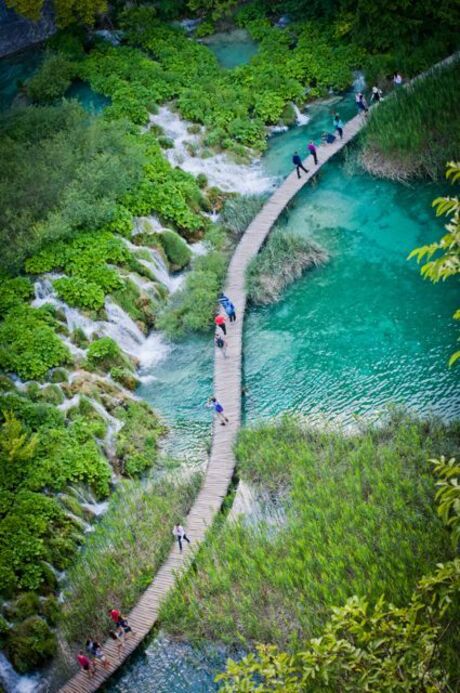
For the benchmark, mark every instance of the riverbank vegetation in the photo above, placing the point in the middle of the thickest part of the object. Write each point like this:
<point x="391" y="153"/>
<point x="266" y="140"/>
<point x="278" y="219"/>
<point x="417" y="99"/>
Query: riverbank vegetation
<point x="122" y="555"/>
<point x="441" y="259"/>
<point x="375" y="646"/>
<point x="282" y="260"/>
<point x="416" y="131"/>
<point x="342" y="532"/>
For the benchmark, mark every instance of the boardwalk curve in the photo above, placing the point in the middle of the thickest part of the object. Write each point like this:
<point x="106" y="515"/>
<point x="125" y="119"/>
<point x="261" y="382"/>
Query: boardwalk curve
<point x="227" y="389"/>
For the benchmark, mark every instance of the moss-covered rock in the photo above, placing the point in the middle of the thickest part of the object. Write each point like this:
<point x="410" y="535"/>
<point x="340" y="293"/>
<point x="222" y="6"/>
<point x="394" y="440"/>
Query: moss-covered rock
<point x="59" y="375"/>
<point x="30" y="644"/>
<point x="6" y="385"/>
<point x="27" y="604"/>
<point x="137" y="443"/>
<point x="104" y="354"/>
<point x="125" y="378"/>
<point x="52" y="394"/>
<point x="79" y="338"/>
<point x="49" y="607"/>
<point x="176" y="249"/>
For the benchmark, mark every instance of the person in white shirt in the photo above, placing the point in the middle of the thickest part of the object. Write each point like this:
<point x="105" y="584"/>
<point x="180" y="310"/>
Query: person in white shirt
<point x="179" y="533"/>
<point x="397" y="79"/>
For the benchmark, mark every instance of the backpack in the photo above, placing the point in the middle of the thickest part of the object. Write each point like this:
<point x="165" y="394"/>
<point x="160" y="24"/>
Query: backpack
<point x="220" y="342"/>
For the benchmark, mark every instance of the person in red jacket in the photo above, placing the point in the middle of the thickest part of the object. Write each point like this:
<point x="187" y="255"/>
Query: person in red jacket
<point x="220" y="322"/>
<point x="85" y="663"/>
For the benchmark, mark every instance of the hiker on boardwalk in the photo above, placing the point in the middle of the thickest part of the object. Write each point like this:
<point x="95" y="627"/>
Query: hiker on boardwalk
<point x="338" y="125"/>
<point x="85" y="664"/>
<point x="179" y="533"/>
<point x="218" y="409"/>
<point x="230" y="310"/>
<point x="397" y="79"/>
<point x="223" y="298"/>
<point x="312" y="149"/>
<point x="328" y="138"/>
<point x="297" y="161"/>
<point x="220" y="322"/>
<point x="120" y="620"/>
<point x="94" y="649"/>
<point x="361" y="103"/>
<point x="221" y="343"/>
<point x="377" y="94"/>
<point x="119" y="636"/>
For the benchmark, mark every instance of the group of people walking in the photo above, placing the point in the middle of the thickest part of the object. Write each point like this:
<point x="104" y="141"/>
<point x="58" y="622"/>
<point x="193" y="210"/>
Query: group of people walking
<point x="93" y="655"/>
<point x="338" y="126"/>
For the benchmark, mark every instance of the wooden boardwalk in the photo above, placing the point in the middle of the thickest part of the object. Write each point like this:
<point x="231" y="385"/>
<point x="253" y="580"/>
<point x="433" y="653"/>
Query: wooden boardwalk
<point x="227" y="389"/>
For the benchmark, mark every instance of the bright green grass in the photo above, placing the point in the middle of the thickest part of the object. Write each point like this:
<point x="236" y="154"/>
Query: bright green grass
<point x="359" y="519"/>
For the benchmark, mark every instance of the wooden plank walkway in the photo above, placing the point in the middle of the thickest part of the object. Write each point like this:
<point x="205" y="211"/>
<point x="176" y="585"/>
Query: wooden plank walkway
<point x="227" y="389"/>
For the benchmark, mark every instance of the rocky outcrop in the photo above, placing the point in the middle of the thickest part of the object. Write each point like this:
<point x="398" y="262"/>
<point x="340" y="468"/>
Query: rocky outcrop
<point x="17" y="33"/>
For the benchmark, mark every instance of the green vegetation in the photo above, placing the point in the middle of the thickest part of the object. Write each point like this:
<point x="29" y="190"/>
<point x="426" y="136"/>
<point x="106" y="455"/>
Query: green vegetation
<point x="427" y="132"/>
<point x="275" y="582"/>
<point x="192" y="308"/>
<point x="239" y="211"/>
<point x="42" y="202"/>
<point x="381" y="647"/>
<point x="104" y="353"/>
<point x="122" y="555"/>
<point x="446" y="251"/>
<point x="283" y="259"/>
<point x="29" y="345"/>
<point x="177" y="252"/>
<point x="52" y="80"/>
<point x="138" y="439"/>
<point x="67" y="11"/>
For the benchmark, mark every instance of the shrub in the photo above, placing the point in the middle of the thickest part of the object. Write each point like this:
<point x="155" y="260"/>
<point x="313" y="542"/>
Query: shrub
<point x="124" y="377"/>
<point x="14" y="292"/>
<point x="80" y="293"/>
<point x="30" y="644"/>
<point x="177" y="251"/>
<point x="283" y="259"/>
<point x="105" y="353"/>
<point x="28" y="344"/>
<point x="52" y="79"/>
<point x="137" y="441"/>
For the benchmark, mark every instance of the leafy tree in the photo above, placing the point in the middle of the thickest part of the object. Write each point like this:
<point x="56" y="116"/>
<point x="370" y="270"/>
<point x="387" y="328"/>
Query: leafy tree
<point x="372" y="648"/>
<point x="67" y="11"/>
<point x="446" y="264"/>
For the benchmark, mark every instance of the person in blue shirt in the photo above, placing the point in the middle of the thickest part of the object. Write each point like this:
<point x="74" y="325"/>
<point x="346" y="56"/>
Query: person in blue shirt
<point x="338" y="125"/>
<point x="297" y="161"/>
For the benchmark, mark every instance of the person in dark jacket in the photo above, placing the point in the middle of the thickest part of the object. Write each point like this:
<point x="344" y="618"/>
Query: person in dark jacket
<point x="297" y="161"/>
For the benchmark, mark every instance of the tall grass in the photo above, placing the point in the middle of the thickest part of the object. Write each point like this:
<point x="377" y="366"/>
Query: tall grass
<point x="282" y="260"/>
<point x="122" y="555"/>
<point x="238" y="212"/>
<point x="415" y="131"/>
<point x="360" y="519"/>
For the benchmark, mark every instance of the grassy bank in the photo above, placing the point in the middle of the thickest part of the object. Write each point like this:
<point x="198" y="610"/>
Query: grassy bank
<point x="283" y="259"/>
<point x="413" y="133"/>
<point x="359" y="519"/>
<point x="122" y="555"/>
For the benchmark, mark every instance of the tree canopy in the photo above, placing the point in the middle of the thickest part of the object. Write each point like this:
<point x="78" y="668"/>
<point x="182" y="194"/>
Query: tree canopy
<point x="67" y="11"/>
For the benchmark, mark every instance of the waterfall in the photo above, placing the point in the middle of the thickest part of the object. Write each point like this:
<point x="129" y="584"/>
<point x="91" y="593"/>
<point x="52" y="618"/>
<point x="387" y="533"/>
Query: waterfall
<point x="12" y="682"/>
<point x="219" y="169"/>
<point x="301" y="118"/>
<point x="359" y="82"/>
<point x="119" y="326"/>
<point x="147" y="224"/>
<point x="69" y="403"/>
<point x="114" y="425"/>
<point x="157" y="266"/>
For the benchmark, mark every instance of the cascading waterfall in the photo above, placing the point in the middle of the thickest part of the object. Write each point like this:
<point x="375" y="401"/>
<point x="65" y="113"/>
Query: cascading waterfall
<point x="114" y="425"/>
<point x="119" y="326"/>
<point x="12" y="682"/>
<point x="157" y="266"/>
<point x="301" y="118"/>
<point x="219" y="169"/>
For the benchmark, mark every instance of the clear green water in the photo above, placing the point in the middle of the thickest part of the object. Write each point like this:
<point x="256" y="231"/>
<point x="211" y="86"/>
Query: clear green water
<point x="14" y="70"/>
<point x="232" y="49"/>
<point x="91" y="101"/>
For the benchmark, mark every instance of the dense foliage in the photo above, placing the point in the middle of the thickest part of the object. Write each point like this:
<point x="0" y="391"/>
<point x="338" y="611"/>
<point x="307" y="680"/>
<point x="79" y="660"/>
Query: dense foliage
<point x="274" y="578"/>
<point x="283" y="259"/>
<point x="441" y="259"/>
<point x="375" y="647"/>
<point x="67" y="11"/>
<point x="41" y="201"/>
<point x="416" y="130"/>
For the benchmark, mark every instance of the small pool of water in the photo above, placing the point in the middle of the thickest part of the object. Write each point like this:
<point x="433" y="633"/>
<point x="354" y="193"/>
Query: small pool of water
<point x="14" y="70"/>
<point x="232" y="48"/>
<point x="170" y="666"/>
<point x="91" y="101"/>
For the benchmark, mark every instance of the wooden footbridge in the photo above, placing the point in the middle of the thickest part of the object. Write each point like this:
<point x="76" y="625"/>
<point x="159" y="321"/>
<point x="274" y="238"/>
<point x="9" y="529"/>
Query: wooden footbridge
<point x="227" y="389"/>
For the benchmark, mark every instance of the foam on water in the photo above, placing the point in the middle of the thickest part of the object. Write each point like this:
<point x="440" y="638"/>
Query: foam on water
<point x="301" y="118"/>
<point x="12" y="682"/>
<point x="219" y="169"/>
